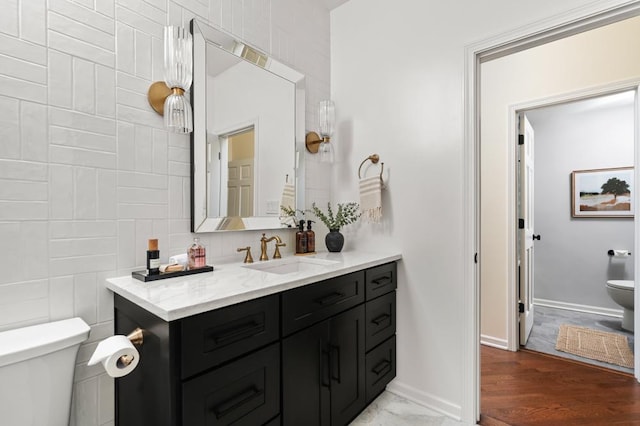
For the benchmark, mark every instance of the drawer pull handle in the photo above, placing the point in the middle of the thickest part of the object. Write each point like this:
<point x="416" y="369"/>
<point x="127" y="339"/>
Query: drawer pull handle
<point x="380" y="319"/>
<point x="382" y="367"/>
<point x="382" y="281"/>
<point x="330" y="299"/>
<point x="334" y="358"/>
<point x="245" y="330"/>
<point x="236" y="401"/>
<point x="325" y="374"/>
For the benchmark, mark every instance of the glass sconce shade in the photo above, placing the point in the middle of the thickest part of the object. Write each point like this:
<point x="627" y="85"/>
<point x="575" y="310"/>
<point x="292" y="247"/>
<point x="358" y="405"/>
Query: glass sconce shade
<point x="326" y="152"/>
<point x="326" y="118"/>
<point x="178" y="75"/>
<point x="178" y="57"/>
<point x="178" y="117"/>
<point x="321" y="143"/>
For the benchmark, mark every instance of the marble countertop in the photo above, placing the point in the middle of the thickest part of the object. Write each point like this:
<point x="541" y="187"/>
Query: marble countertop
<point x="175" y="298"/>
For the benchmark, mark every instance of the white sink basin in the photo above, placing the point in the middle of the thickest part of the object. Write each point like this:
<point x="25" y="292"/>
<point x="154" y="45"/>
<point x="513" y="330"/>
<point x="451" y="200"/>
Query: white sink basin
<point x="292" y="265"/>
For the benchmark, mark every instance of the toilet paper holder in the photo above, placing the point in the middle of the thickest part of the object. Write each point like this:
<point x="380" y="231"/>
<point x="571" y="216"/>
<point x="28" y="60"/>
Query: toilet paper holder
<point x="136" y="337"/>
<point x="613" y="253"/>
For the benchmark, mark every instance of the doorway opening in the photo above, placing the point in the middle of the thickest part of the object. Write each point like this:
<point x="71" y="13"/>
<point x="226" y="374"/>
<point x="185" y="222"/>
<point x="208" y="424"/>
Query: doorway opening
<point x="562" y="28"/>
<point x="574" y="218"/>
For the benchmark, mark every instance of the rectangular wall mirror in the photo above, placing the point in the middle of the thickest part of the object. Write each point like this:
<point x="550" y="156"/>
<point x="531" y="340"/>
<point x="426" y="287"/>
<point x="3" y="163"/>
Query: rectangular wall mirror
<point x="247" y="143"/>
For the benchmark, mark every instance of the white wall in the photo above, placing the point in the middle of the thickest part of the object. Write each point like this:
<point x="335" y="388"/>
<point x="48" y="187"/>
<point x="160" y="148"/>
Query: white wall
<point x="87" y="173"/>
<point x="246" y="95"/>
<point x="398" y="82"/>
<point x="575" y="63"/>
<point x="571" y="261"/>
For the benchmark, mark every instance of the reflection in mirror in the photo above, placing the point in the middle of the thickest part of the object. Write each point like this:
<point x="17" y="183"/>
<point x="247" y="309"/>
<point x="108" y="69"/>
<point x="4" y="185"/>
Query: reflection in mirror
<point x="235" y="173"/>
<point x="248" y="131"/>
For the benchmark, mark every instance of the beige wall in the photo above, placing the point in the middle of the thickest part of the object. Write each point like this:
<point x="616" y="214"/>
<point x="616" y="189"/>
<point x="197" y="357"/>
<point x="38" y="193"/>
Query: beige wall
<point x="596" y="58"/>
<point x="241" y="145"/>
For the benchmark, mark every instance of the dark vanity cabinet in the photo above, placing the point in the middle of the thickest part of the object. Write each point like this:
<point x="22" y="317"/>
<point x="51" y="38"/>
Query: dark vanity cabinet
<point x="220" y="367"/>
<point x="314" y="355"/>
<point x="324" y="379"/>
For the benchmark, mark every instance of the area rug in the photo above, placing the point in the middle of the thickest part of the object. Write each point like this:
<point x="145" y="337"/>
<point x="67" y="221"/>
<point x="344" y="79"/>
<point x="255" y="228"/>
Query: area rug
<point x="595" y="344"/>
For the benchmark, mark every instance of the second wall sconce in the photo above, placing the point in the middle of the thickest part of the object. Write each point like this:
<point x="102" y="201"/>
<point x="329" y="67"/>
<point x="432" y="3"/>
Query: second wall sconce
<point x="167" y="97"/>
<point x="321" y="143"/>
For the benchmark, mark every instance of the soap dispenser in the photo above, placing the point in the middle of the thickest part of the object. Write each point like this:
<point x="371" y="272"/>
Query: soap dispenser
<point x="301" y="239"/>
<point x="311" y="238"/>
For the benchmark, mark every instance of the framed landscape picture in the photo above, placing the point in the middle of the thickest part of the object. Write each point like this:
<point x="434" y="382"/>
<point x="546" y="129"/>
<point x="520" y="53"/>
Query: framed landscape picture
<point x="602" y="193"/>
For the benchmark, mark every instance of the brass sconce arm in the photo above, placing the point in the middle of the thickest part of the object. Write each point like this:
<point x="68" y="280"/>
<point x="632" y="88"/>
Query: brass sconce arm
<point x="313" y="140"/>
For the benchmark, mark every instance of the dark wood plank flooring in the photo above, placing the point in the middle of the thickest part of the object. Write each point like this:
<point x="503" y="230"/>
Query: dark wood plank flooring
<point x="529" y="388"/>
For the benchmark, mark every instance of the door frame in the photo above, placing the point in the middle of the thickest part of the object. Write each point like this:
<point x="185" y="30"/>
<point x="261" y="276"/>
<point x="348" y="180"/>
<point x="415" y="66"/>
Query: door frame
<point x="575" y="21"/>
<point x="513" y="341"/>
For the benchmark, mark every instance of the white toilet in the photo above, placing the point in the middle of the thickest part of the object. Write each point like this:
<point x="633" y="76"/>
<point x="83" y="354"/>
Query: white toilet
<point x="36" y="372"/>
<point x="621" y="291"/>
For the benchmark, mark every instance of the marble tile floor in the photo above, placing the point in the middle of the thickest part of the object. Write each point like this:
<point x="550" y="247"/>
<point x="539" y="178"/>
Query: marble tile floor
<point x="392" y="410"/>
<point x="547" y="321"/>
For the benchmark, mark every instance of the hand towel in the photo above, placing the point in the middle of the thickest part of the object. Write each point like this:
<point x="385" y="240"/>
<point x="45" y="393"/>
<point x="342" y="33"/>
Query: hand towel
<point x="371" y="198"/>
<point x="288" y="196"/>
<point x="289" y="201"/>
<point x="174" y="267"/>
<point x="181" y="259"/>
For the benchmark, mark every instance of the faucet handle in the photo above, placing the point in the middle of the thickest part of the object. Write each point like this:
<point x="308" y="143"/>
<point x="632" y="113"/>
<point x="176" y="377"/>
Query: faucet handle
<point x="276" y="254"/>
<point x="247" y="258"/>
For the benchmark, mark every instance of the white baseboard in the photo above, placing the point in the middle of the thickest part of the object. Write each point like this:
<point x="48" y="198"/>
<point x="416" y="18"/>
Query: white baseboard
<point x="617" y="313"/>
<point x="434" y="403"/>
<point x="494" y="342"/>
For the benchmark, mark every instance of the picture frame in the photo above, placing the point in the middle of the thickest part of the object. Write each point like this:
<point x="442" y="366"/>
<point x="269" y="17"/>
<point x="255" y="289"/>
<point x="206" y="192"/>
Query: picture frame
<point x="602" y="192"/>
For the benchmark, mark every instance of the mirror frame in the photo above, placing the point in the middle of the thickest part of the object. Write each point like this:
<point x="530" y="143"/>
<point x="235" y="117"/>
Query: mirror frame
<point x="200" y="220"/>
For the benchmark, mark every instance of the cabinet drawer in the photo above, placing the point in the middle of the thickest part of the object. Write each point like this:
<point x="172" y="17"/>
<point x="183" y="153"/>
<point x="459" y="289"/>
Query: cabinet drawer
<point x="381" y="280"/>
<point x="212" y="338"/>
<point x="304" y="306"/>
<point x="245" y="392"/>
<point x="380" y="319"/>
<point x="380" y="368"/>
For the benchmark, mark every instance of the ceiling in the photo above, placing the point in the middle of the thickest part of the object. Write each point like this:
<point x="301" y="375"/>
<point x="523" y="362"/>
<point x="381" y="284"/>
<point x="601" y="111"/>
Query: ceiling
<point x="600" y="103"/>
<point x="332" y="4"/>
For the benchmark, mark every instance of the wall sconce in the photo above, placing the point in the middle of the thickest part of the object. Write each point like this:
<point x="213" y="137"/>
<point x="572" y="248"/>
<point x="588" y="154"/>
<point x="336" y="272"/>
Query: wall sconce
<point x="167" y="97"/>
<point x="326" y="122"/>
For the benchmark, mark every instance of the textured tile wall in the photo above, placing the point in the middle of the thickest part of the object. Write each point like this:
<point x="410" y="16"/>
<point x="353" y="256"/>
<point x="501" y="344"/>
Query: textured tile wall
<point x="87" y="174"/>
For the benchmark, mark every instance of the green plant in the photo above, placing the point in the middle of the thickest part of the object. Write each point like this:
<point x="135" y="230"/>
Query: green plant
<point x="289" y="216"/>
<point x="288" y="211"/>
<point x="347" y="213"/>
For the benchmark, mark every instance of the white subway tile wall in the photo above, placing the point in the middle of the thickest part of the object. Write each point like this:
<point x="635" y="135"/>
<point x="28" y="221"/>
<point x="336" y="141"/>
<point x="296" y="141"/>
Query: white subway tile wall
<point x="87" y="173"/>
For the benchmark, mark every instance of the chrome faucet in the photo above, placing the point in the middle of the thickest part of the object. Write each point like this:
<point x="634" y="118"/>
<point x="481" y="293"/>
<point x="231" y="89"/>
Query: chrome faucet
<point x="263" y="247"/>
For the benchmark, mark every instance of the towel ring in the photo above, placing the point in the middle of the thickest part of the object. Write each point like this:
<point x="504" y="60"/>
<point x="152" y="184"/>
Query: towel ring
<point x="374" y="158"/>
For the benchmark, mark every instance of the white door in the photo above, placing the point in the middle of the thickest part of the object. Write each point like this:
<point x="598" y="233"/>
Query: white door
<point x="240" y="188"/>
<point x="526" y="235"/>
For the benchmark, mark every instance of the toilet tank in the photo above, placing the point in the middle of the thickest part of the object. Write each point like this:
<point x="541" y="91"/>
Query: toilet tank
<point x="36" y="372"/>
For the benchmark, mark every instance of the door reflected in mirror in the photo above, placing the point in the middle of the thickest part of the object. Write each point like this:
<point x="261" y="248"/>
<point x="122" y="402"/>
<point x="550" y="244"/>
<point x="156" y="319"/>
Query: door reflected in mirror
<point x="236" y="158"/>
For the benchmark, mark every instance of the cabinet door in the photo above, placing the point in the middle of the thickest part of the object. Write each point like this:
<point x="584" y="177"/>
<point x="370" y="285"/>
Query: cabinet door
<point x="305" y="378"/>
<point x="380" y="367"/>
<point x="381" y="280"/>
<point x="307" y="305"/>
<point x="244" y="392"/>
<point x="347" y="365"/>
<point x="381" y="319"/>
<point x="213" y="338"/>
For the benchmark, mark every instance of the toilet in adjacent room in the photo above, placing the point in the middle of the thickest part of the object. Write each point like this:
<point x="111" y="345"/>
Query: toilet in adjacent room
<point x="36" y="372"/>
<point x="621" y="291"/>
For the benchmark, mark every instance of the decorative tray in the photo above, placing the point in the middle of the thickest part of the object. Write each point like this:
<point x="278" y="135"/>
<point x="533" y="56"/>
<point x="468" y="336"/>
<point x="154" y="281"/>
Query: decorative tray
<point x="143" y="276"/>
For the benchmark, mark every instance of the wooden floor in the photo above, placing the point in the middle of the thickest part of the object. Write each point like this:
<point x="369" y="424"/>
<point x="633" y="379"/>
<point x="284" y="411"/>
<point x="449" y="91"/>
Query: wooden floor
<point x="529" y="388"/>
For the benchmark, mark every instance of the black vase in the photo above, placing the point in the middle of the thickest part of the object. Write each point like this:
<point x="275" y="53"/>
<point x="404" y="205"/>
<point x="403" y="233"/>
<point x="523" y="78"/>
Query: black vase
<point x="334" y="240"/>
